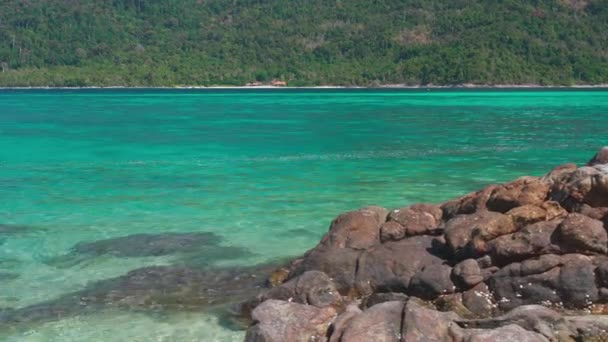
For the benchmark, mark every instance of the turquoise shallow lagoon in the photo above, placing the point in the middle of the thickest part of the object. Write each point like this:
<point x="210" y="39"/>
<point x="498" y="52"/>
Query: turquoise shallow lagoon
<point x="264" y="170"/>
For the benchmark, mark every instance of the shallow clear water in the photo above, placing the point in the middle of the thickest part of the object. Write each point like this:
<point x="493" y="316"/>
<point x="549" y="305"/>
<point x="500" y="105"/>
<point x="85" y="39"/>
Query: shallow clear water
<point x="265" y="170"/>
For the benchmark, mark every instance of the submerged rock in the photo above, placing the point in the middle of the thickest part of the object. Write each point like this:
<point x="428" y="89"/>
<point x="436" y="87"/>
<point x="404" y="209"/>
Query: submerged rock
<point x="5" y="276"/>
<point x="192" y="248"/>
<point x="150" y="289"/>
<point x="495" y="255"/>
<point x="141" y="245"/>
<point x="6" y="229"/>
<point x="13" y="230"/>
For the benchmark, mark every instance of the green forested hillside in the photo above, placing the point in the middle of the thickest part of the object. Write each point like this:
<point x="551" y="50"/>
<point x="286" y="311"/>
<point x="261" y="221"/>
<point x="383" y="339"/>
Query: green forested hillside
<point x="306" y="42"/>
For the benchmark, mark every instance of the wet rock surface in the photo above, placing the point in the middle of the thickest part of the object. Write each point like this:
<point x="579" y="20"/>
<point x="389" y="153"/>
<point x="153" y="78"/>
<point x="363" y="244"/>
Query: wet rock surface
<point x="522" y="261"/>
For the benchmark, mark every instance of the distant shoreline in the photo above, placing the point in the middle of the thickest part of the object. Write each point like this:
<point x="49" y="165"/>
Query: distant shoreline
<point x="385" y="86"/>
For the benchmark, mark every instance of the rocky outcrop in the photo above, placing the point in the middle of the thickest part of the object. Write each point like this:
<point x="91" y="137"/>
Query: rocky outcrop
<point x="277" y="321"/>
<point x="525" y="260"/>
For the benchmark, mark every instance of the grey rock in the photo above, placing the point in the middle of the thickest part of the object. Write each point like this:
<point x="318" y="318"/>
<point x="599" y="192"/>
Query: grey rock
<point x="422" y="323"/>
<point x="382" y="297"/>
<point x="278" y="321"/>
<point x="579" y="233"/>
<point x="342" y="322"/>
<point x="467" y="273"/>
<point x="432" y="281"/>
<point x="381" y="322"/>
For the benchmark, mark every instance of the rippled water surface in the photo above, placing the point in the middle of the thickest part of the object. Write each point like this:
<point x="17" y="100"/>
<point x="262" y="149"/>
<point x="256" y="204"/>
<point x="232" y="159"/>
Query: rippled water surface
<point x="250" y="176"/>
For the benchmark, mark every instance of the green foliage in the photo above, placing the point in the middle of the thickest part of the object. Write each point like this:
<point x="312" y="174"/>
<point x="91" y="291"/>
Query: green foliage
<point x="305" y="42"/>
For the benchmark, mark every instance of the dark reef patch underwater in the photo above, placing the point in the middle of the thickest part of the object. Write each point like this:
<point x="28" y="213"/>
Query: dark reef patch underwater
<point x="188" y="248"/>
<point x="154" y="289"/>
<point x="13" y="230"/>
<point x="190" y="284"/>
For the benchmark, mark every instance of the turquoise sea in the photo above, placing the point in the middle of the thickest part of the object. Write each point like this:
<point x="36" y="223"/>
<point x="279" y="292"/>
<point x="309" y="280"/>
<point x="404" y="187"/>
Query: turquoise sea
<point x="264" y="171"/>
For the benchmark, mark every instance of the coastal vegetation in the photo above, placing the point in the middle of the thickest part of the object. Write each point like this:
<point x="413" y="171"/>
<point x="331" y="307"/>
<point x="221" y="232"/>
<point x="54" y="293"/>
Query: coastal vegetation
<point x="315" y="42"/>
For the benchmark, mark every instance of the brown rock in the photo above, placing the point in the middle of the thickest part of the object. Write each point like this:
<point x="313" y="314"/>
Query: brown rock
<point x="511" y="332"/>
<point x="532" y="240"/>
<point x="356" y="229"/>
<point x="432" y="209"/>
<point x="591" y="328"/>
<point x="286" y="291"/>
<point x="512" y="289"/>
<point x="466" y="235"/>
<point x="560" y="174"/>
<point x="342" y="322"/>
<point x="432" y="281"/>
<point x="391" y="266"/>
<point x="392" y="231"/>
<point x="598" y="195"/>
<point x="311" y="287"/>
<point x="570" y="283"/>
<point x="587" y="185"/>
<point x="601" y="157"/>
<point x="467" y="204"/>
<point x="602" y="271"/>
<point x="381" y="297"/>
<point x="553" y="210"/>
<point x="425" y="324"/>
<point x="539" y="265"/>
<point x="453" y="302"/>
<point x="527" y="214"/>
<point x="535" y="318"/>
<point x="416" y="221"/>
<point x="598" y="213"/>
<point x="571" y="190"/>
<point x="579" y="233"/>
<point x="467" y="273"/>
<point x="380" y="212"/>
<point x="485" y="261"/>
<point x="381" y="322"/>
<point x="523" y="191"/>
<point x="278" y="277"/>
<point x="577" y="284"/>
<point x="479" y="300"/>
<point x="338" y="263"/>
<point x="284" y="321"/>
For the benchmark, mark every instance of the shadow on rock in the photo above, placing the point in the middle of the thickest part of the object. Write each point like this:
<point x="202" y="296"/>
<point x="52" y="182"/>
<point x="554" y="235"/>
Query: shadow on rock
<point x="192" y="248"/>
